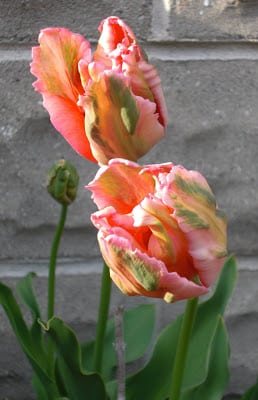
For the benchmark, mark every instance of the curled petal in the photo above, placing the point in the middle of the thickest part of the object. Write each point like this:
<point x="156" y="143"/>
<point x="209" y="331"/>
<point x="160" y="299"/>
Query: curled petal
<point x="120" y="185"/>
<point x="136" y="273"/>
<point x="117" y="123"/>
<point x="114" y="34"/>
<point x="195" y="209"/>
<point x="145" y="82"/>
<point x="55" y="64"/>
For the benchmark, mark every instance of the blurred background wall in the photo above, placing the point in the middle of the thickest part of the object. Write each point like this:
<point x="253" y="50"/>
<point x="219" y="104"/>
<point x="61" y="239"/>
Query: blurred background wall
<point x="206" y="52"/>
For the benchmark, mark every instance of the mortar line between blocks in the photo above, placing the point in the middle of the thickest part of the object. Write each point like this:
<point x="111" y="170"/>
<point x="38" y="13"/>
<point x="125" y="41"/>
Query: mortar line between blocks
<point x="168" y="51"/>
<point x="16" y="269"/>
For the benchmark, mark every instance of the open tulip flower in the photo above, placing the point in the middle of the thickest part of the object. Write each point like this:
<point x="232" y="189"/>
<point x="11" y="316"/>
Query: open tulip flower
<point x="107" y="104"/>
<point x="160" y="231"/>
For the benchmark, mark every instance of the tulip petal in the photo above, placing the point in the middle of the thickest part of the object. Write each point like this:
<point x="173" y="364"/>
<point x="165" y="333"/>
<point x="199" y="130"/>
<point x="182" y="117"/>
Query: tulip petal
<point x="114" y="34"/>
<point x="153" y="80"/>
<point x="118" y="48"/>
<point x="129" y="131"/>
<point x="55" y="64"/>
<point x="136" y="273"/>
<point x="108" y="122"/>
<point x="167" y="242"/>
<point x="149" y="130"/>
<point x="145" y="81"/>
<point x="121" y="185"/>
<point x="198" y="216"/>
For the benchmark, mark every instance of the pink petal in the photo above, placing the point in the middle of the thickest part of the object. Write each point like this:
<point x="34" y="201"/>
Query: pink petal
<point x="148" y="130"/>
<point x="69" y="121"/>
<point x="113" y="33"/>
<point x="120" y="185"/>
<point x="55" y="64"/>
<point x="198" y="216"/>
<point x="138" y="274"/>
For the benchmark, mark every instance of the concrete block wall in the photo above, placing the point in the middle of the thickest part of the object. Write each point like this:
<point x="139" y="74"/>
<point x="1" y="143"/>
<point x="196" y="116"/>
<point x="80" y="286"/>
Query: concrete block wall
<point x="206" y="52"/>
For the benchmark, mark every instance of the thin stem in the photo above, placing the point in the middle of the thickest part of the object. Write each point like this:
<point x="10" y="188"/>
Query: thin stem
<point x="52" y="278"/>
<point x="120" y="352"/>
<point x="52" y="262"/>
<point x="102" y="318"/>
<point x="182" y="348"/>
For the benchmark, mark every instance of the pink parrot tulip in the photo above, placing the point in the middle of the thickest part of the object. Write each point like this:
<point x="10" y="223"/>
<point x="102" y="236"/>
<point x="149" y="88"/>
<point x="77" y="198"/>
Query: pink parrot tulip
<point x="107" y="104"/>
<point x="160" y="230"/>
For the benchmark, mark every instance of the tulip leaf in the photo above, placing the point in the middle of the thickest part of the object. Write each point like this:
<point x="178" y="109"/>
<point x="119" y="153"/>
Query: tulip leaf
<point x="34" y="354"/>
<point x="218" y="373"/>
<point x="158" y="370"/>
<point x="75" y="380"/>
<point x="25" y="289"/>
<point x="138" y="325"/>
<point x="251" y="393"/>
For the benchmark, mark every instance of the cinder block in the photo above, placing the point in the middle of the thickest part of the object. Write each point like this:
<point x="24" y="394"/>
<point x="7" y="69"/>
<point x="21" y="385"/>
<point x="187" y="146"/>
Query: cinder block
<point x="22" y="20"/>
<point x="205" y="20"/>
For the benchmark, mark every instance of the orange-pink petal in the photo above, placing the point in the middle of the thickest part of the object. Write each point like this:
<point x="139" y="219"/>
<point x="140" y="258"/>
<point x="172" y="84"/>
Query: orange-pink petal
<point x="55" y="64"/>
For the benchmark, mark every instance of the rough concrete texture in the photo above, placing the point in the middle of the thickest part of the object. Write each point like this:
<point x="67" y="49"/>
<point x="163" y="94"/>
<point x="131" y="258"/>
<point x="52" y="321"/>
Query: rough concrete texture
<point x="22" y="20"/>
<point x="205" y="20"/>
<point x="206" y="52"/>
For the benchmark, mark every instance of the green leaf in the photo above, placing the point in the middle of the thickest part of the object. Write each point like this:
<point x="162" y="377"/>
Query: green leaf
<point x="26" y="341"/>
<point x="154" y="380"/>
<point x="138" y="325"/>
<point x="25" y="289"/>
<point x="39" y="388"/>
<point x="218" y="373"/>
<point x="252" y="393"/>
<point x="76" y="381"/>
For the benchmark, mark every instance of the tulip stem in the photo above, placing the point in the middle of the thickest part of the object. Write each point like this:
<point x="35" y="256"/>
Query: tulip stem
<point x="182" y="347"/>
<point x="102" y="318"/>
<point x="52" y="262"/>
<point x="52" y="274"/>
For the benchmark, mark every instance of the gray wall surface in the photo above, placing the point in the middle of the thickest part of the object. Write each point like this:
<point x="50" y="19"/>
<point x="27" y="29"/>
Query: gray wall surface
<point x="206" y="52"/>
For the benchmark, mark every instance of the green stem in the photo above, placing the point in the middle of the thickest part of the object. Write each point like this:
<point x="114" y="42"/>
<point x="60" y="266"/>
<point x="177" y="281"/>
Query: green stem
<point x="52" y="278"/>
<point x="102" y="318"/>
<point x="182" y="348"/>
<point x="52" y="262"/>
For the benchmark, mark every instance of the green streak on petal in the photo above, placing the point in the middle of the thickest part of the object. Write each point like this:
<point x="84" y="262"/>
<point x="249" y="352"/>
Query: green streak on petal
<point x="221" y="254"/>
<point x="142" y="273"/>
<point x="194" y="189"/>
<point x="191" y="218"/>
<point x="220" y="214"/>
<point x="123" y="99"/>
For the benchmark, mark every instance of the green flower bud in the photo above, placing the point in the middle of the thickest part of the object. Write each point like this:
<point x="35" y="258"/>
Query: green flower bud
<point x="63" y="182"/>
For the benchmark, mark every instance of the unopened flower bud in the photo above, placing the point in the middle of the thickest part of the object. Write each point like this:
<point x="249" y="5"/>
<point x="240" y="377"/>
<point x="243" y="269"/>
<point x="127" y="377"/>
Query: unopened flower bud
<point x="63" y="182"/>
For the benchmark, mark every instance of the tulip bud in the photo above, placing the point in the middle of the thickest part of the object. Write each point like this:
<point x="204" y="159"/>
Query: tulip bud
<point x="63" y="182"/>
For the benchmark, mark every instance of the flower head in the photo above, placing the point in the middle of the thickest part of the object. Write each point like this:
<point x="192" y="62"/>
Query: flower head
<point x="160" y="230"/>
<point x="109" y="104"/>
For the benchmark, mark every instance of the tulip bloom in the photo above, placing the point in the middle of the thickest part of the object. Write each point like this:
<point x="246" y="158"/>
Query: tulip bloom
<point x="107" y="104"/>
<point x="160" y="231"/>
